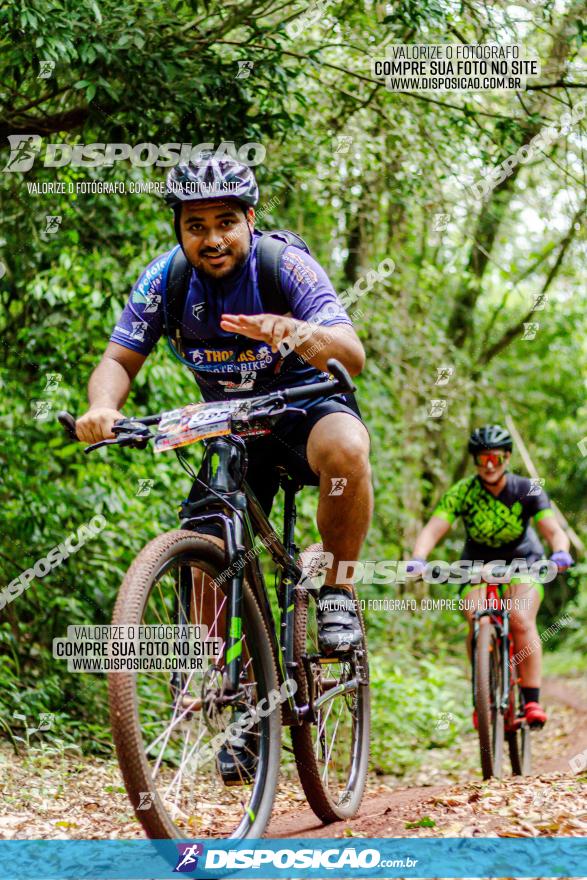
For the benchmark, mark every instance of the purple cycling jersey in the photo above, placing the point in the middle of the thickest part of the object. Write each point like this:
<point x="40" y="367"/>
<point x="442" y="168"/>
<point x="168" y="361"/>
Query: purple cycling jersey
<point x="225" y="363"/>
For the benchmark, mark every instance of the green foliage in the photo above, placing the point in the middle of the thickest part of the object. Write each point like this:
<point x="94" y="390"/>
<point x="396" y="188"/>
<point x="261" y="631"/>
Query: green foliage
<point x="167" y="73"/>
<point x="418" y="704"/>
<point x="424" y="822"/>
<point x="570" y="656"/>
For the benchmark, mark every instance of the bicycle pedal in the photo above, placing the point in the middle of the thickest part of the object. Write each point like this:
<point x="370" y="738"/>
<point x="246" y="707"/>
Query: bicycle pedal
<point x="237" y="782"/>
<point x="237" y="775"/>
<point x="240" y="783"/>
<point x="336" y="657"/>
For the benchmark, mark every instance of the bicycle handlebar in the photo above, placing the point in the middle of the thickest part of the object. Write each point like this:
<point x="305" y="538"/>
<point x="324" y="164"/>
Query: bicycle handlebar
<point x="132" y="432"/>
<point x="342" y="384"/>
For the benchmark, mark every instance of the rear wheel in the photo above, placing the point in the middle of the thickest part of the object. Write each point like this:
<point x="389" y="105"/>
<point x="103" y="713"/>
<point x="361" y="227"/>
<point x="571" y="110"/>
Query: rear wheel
<point x="488" y="691"/>
<point x="331" y="752"/>
<point x="164" y="723"/>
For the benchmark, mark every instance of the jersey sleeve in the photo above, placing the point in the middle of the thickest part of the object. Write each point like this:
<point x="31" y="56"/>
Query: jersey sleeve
<point x="141" y="323"/>
<point x="309" y="291"/>
<point x="537" y="501"/>
<point x="450" y="505"/>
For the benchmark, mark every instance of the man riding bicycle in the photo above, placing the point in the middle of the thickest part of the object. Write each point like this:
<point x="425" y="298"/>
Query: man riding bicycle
<point x="232" y="345"/>
<point x="496" y="507"/>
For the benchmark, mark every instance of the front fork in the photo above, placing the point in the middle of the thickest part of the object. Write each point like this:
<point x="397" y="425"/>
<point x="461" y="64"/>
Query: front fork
<point x="182" y="616"/>
<point x="233" y="657"/>
<point x="234" y="551"/>
<point x="233" y="646"/>
<point x="505" y="642"/>
<point x="503" y="630"/>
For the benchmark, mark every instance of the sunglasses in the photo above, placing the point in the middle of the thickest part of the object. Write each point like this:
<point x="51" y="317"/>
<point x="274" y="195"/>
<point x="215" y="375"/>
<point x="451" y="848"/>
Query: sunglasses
<point x="482" y="459"/>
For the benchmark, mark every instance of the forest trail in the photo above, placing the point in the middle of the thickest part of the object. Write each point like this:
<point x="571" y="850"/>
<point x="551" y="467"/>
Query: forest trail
<point x="553" y="801"/>
<point x="50" y="794"/>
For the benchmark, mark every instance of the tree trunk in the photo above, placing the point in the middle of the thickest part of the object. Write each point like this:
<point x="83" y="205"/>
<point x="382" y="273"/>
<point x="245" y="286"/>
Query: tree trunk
<point x="494" y="208"/>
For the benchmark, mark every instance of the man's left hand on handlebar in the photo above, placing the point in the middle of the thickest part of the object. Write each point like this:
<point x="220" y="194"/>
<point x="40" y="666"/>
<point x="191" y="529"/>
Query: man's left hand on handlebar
<point x="96" y="424"/>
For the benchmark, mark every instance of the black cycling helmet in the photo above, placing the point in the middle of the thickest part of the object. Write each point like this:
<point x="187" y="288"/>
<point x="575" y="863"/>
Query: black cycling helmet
<point x="211" y="178"/>
<point x="490" y="437"/>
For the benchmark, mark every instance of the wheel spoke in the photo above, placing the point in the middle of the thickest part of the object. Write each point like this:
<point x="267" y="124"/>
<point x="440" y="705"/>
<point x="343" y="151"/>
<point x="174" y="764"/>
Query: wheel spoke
<point x="329" y="751"/>
<point x="175" y="720"/>
<point x="188" y="757"/>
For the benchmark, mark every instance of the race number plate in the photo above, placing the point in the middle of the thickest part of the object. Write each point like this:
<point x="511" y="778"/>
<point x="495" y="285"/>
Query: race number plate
<point x="191" y="423"/>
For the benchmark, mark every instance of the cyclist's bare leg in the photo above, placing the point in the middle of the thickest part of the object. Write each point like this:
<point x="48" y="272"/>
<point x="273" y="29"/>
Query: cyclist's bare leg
<point x="338" y="451"/>
<point x="525" y="633"/>
<point x="474" y="601"/>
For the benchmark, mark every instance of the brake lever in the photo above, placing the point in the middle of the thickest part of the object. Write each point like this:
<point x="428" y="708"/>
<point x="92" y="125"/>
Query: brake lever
<point x="266" y="413"/>
<point x="130" y="425"/>
<point x="297" y="409"/>
<point x="98" y="445"/>
<point x="137" y="438"/>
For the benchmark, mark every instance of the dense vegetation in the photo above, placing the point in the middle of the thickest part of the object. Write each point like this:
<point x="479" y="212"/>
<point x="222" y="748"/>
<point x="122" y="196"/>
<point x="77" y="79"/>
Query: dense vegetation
<point x="363" y="174"/>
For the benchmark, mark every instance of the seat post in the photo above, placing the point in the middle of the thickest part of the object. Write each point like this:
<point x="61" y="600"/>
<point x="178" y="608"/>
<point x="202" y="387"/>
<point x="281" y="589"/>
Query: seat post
<point x="290" y="487"/>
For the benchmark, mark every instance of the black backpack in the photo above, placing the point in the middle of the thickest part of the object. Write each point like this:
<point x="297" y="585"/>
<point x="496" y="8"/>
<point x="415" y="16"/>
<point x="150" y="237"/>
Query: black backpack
<point x="270" y="248"/>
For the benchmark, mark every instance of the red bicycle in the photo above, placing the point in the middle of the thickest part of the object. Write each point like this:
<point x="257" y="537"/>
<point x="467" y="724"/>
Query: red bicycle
<point x="497" y="695"/>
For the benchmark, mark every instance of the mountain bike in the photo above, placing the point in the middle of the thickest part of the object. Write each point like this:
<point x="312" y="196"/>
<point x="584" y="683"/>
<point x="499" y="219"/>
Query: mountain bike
<point x="169" y="728"/>
<point x="497" y="695"/>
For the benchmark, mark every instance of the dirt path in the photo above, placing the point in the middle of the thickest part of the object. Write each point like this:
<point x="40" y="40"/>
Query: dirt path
<point x="52" y="794"/>
<point x="552" y="801"/>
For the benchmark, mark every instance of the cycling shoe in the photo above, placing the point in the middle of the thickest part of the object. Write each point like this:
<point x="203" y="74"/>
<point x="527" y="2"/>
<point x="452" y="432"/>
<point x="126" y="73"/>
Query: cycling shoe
<point x="535" y="715"/>
<point x="339" y="629"/>
<point x="237" y="759"/>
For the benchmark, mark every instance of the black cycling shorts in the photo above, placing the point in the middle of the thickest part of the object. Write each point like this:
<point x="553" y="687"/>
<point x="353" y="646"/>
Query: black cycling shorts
<point x="286" y="447"/>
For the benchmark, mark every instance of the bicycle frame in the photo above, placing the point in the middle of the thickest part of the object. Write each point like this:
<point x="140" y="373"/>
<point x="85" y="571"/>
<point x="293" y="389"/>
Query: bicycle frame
<point x="500" y="619"/>
<point x="232" y="505"/>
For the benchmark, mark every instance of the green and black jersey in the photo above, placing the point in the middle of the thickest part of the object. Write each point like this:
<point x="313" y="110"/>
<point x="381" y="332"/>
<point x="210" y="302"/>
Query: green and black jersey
<point x="499" y="522"/>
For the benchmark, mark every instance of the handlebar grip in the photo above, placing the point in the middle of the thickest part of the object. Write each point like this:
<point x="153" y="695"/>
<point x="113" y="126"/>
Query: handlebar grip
<point x="309" y="392"/>
<point x="342" y="384"/>
<point x="341" y="375"/>
<point x="68" y="422"/>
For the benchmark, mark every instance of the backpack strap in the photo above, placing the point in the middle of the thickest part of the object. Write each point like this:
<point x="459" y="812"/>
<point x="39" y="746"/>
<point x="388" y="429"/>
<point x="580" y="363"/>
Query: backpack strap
<point x="270" y="248"/>
<point x="175" y="289"/>
<point x="269" y="252"/>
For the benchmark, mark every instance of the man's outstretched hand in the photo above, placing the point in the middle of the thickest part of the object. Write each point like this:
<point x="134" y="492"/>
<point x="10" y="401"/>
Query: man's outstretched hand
<point x="268" y="328"/>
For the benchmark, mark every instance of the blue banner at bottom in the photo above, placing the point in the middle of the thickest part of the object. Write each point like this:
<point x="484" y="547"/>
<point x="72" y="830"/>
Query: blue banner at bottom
<point x="293" y="858"/>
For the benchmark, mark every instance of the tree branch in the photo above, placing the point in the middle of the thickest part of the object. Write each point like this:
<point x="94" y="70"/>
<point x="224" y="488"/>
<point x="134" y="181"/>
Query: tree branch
<point x="18" y="111"/>
<point x="66" y="121"/>
<point x="461" y="321"/>
<point x="362" y="77"/>
<point x="514" y="331"/>
<point x="560" y="84"/>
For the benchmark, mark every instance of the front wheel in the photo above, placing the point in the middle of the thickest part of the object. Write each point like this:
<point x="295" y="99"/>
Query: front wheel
<point x="166" y="724"/>
<point x="488" y="693"/>
<point x="332" y="751"/>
